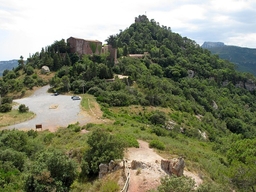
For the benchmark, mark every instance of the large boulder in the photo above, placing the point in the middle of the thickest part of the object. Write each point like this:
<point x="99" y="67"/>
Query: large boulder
<point x="138" y="164"/>
<point x="45" y="69"/>
<point x="174" y="166"/>
<point x="103" y="170"/>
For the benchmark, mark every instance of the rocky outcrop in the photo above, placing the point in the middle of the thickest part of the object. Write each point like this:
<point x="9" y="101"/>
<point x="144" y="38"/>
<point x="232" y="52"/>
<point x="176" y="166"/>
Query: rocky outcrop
<point x="138" y="164"/>
<point x="191" y="73"/>
<point x="212" y="44"/>
<point x="240" y="84"/>
<point x="174" y="166"/>
<point x="250" y="85"/>
<point x="107" y="168"/>
<point x="214" y="105"/>
<point x="45" y="69"/>
<point x="103" y="170"/>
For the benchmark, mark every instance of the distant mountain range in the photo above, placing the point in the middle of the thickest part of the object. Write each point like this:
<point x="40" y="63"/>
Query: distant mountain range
<point x="244" y="58"/>
<point x="7" y="65"/>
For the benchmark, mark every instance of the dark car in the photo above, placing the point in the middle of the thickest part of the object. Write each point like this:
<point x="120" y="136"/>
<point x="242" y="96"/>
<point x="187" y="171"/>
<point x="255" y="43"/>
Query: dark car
<point x="75" y="97"/>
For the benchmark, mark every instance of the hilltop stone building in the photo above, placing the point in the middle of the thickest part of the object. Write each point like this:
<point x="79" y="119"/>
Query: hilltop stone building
<point x="90" y="47"/>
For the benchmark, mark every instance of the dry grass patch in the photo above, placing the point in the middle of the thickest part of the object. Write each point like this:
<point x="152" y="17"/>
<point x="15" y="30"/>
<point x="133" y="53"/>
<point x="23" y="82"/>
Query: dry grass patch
<point x="14" y="117"/>
<point x="136" y="109"/>
<point x="45" y="77"/>
<point x="90" y="105"/>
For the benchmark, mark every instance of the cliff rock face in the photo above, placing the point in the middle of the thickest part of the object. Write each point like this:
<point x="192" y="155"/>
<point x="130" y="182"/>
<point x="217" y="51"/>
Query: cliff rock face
<point x="250" y="85"/>
<point x="174" y="166"/>
<point x="212" y="44"/>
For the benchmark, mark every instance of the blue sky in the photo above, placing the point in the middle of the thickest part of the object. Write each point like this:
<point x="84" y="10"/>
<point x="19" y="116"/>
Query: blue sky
<point x="28" y="25"/>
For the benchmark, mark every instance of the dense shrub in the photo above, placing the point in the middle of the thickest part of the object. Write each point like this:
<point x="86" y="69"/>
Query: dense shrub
<point x="15" y="158"/>
<point x="23" y="108"/>
<point x="159" y="131"/>
<point x="129" y="140"/>
<point x="6" y="107"/>
<point x="158" y="117"/>
<point x="156" y="144"/>
<point x="74" y="127"/>
<point x="176" y="184"/>
<point x="6" y="100"/>
<point x="52" y="171"/>
<point x="14" y="139"/>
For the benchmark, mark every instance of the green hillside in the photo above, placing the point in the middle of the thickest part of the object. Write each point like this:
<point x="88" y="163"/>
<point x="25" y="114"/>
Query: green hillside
<point x="7" y="65"/>
<point x="179" y="97"/>
<point x="243" y="58"/>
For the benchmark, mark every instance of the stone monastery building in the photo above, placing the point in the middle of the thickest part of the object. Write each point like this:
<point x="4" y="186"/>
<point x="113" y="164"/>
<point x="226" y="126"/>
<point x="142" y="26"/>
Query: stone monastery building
<point x="90" y="47"/>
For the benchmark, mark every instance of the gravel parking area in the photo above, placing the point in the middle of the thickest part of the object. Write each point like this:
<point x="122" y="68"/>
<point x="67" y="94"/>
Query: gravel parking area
<point x="51" y="111"/>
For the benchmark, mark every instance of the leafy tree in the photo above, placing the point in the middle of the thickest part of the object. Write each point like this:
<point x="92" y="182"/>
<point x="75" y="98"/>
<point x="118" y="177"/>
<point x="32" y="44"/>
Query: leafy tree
<point x="8" y="75"/>
<point x="29" y="82"/>
<point x="243" y="175"/>
<point x="242" y="157"/>
<point x="9" y="177"/>
<point x="59" y="47"/>
<point x="17" y="159"/>
<point x="104" y="72"/>
<point x="66" y="83"/>
<point x="29" y="70"/>
<point x="107" y="148"/>
<point x="67" y="60"/>
<point x="14" y="139"/>
<point x="56" y="62"/>
<point x="6" y="100"/>
<point x="112" y="40"/>
<point x="52" y="171"/>
<point x="158" y="118"/>
<point x="21" y="62"/>
<point x="235" y="125"/>
<point x="156" y="70"/>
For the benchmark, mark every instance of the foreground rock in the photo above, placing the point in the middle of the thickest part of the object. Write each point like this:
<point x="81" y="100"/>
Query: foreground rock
<point x="112" y="166"/>
<point x="174" y="166"/>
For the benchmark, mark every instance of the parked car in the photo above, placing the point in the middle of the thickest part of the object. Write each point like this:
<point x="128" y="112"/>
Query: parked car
<point x="75" y="97"/>
<point x="56" y="94"/>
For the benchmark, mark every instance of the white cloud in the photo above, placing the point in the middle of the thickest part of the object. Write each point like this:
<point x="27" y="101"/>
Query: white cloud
<point x="242" y="39"/>
<point x="28" y="25"/>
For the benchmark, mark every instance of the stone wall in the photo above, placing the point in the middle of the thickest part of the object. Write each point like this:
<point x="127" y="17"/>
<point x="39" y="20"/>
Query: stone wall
<point x="90" y="47"/>
<point x="84" y="47"/>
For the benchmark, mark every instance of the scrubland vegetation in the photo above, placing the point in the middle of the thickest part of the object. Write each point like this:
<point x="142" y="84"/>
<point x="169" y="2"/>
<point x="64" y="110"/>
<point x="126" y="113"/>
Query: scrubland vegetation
<point x="180" y="98"/>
